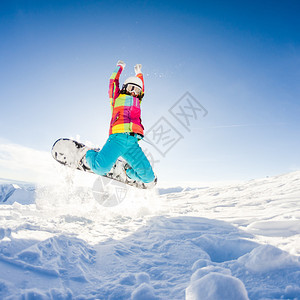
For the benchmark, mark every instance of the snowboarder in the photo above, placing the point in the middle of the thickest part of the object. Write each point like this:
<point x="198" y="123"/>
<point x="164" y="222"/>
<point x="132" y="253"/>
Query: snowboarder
<point x="126" y="130"/>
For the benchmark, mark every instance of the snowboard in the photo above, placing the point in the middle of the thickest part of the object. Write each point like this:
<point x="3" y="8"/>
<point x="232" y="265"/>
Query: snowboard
<point x="71" y="153"/>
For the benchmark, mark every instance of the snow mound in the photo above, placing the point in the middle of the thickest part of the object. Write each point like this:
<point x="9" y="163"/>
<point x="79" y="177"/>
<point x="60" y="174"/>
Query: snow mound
<point x="266" y="258"/>
<point x="54" y="293"/>
<point x="209" y="269"/>
<point x="279" y="228"/>
<point x="216" y="286"/>
<point x="57" y="256"/>
<point x="144" y="292"/>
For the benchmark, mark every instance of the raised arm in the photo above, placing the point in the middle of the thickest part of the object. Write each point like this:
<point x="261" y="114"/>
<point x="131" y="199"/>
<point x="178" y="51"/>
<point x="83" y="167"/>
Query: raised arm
<point x="139" y="74"/>
<point x="114" y="90"/>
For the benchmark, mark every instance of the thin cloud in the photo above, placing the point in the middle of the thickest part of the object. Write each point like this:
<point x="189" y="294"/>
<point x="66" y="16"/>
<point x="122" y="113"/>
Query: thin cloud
<point x="235" y="125"/>
<point x="248" y="125"/>
<point x="23" y="163"/>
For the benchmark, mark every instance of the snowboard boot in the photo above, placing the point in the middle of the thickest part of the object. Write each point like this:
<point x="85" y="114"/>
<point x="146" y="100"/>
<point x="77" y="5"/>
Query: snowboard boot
<point x="118" y="171"/>
<point x="139" y="184"/>
<point x="150" y="185"/>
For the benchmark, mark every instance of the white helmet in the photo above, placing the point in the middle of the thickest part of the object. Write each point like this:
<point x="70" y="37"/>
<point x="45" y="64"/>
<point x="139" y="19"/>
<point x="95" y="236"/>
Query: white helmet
<point x="135" y="81"/>
<point x="133" y="84"/>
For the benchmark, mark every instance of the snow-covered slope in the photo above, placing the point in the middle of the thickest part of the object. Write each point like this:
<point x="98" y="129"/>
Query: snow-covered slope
<point x="21" y="192"/>
<point x="239" y="241"/>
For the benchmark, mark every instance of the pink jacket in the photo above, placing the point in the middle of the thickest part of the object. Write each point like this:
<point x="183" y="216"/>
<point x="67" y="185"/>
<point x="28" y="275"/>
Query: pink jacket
<point x="126" y="110"/>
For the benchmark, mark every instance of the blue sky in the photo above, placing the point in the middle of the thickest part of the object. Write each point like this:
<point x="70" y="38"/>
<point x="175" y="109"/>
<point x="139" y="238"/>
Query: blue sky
<point x="241" y="61"/>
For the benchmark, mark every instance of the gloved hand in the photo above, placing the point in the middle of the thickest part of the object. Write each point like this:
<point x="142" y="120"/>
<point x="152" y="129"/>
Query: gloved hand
<point x="121" y="63"/>
<point x="138" y="69"/>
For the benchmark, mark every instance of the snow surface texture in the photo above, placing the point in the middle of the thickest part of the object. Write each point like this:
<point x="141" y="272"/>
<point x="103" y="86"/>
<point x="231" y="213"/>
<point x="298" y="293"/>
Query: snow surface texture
<point x="239" y="241"/>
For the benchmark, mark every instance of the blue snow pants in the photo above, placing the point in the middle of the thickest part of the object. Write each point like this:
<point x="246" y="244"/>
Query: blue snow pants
<point x="126" y="146"/>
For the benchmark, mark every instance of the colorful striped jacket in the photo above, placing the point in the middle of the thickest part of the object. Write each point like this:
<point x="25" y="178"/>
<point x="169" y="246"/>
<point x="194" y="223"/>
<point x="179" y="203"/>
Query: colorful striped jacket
<point x="126" y="110"/>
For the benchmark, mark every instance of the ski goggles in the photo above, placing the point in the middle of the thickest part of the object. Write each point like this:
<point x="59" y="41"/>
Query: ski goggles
<point x="132" y="88"/>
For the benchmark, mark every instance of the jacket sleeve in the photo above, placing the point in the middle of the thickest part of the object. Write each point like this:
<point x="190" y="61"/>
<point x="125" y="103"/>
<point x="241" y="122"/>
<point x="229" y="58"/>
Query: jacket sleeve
<point x="140" y="75"/>
<point x="114" y="90"/>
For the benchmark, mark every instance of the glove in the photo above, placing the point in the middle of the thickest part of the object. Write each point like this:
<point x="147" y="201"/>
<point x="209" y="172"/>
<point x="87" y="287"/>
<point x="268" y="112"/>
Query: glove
<point x="121" y="63"/>
<point x="138" y="69"/>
